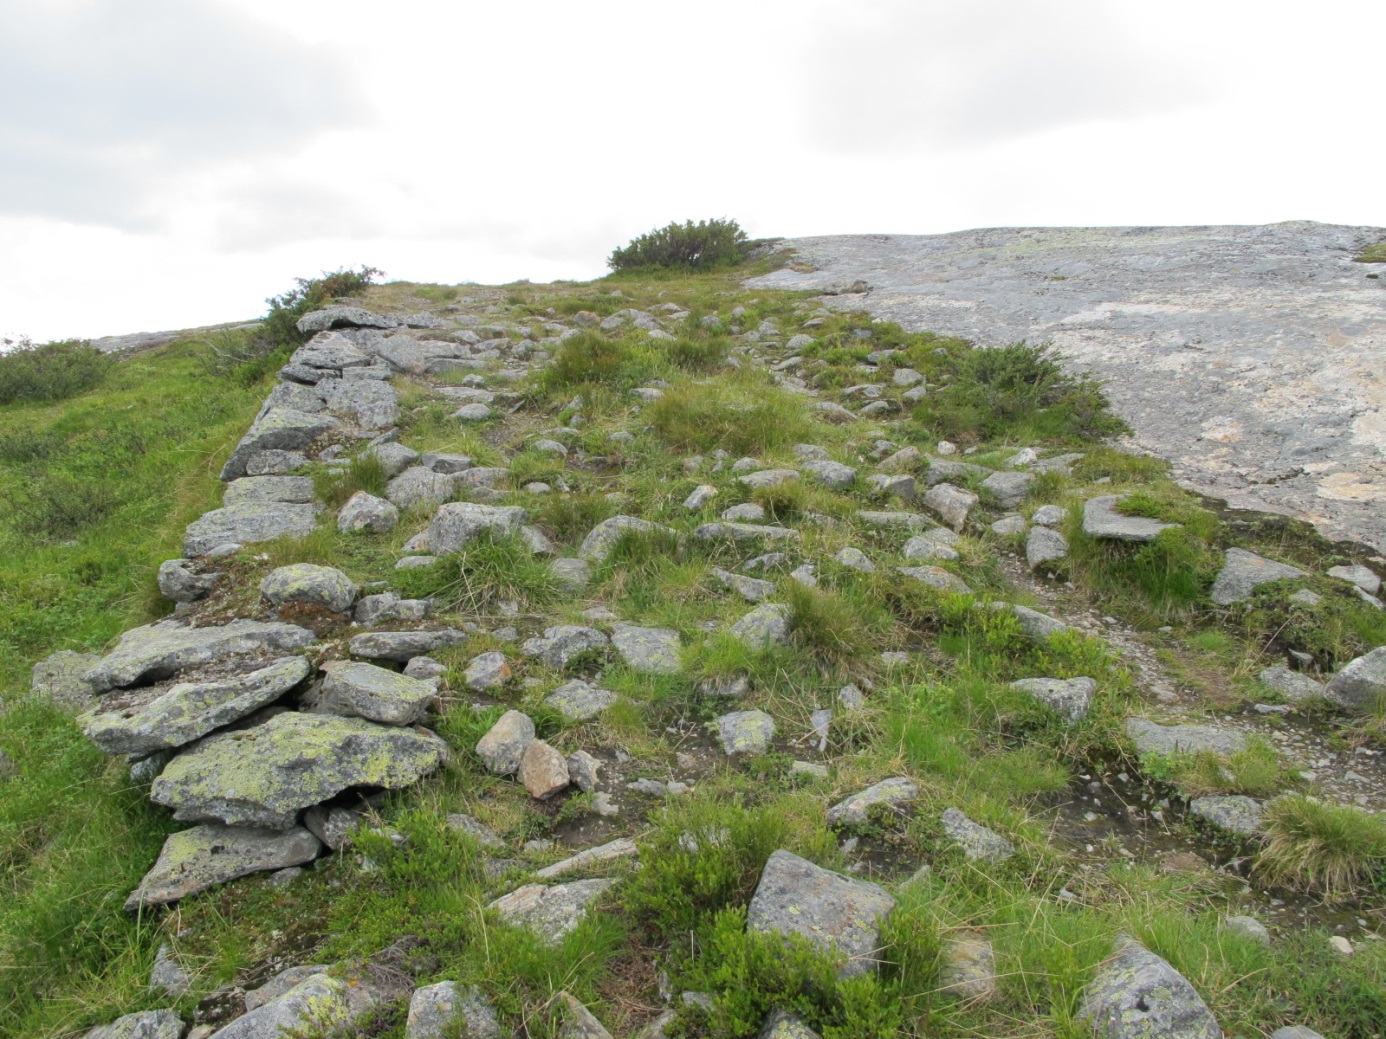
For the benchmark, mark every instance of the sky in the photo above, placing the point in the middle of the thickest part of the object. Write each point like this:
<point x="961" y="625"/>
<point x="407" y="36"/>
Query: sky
<point x="171" y="163"/>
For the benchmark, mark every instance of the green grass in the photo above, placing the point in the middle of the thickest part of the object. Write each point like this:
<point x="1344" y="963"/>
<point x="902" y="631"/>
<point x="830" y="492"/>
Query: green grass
<point x="1333" y="850"/>
<point x="1372" y="254"/>
<point x="742" y="415"/>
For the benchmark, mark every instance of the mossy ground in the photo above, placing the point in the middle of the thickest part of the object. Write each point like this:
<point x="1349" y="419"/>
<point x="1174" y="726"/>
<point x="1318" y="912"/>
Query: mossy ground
<point x="121" y="470"/>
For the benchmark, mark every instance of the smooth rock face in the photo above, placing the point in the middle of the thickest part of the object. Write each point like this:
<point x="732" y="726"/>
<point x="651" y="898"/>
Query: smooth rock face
<point x="894" y="794"/>
<point x="951" y="503"/>
<point x="579" y="702"/>
<point x="147" y="1024"/>
<point x="179" y="583"/>
<point x="745" y="732"/>
<point x="194" y="860"/>
<point x="457" y="524"/>
<point x="1361" y="685"/>
<point x="1137" y="995"/>
<point x="364" y="511"/>
<point x="503" y="747"/>
<point x="1243" y="572"/>
<point x="445" y="1011"/>
<point x="551" y="911"/>
<point x="1101" y="520"/>
<point x="266" y="775"/>
<point x="189" y="710"/>
<point x="309" y="583"/>
<point x="162" y="649"/>
<point x="1152" y="738"/>
<point x="1069" y="697"/>
<point x="366" y="691"/>
<point x="1133" y="303"/>
<point x="764" y="626"/>
<point x="977" y="842"/>
<point x="1043" y="545"/>
<point x="834" y="913"/>
<point x="1233" y="812"/>
<point x="404" y="646"/>
<point x="652" y="650"/>
<point x="247" y="524"/>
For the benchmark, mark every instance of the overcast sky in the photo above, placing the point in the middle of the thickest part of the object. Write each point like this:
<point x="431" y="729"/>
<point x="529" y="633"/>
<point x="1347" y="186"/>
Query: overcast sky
<point x="168" y="163"/>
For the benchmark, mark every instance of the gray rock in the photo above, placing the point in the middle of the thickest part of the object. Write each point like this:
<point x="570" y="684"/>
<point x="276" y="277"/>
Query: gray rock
<point x="935" y="577"/>
<point x="161" y="650"/>
<point x="659" y="1027"/>
<point x="834" y="413"/>
<point x="248" y="523"/>
<point x="1137" y="995"/>
<point x="366" y="691"/>
<point x="387" y="606"/>
<point x="487" y="671"/>
<point x="602" y="539"/>
<point x="933" y="544"/>
<point x="275" y="463"/>
<point x="551" y="911"/>
<point x="651" y="650"/>
<point x="894" y="793"/>
<point x="1243" y="572"/>
<point x="951" y="503"/>
<point x="61" y="678"/>
<point x="479" y="832"/>
<point x="1152" y="738"/>
<point x="295" y="490"/>
<point x="1359" y="575"/>
<point x="1361" y="685"/>
<point x="483" y="477"/>
<point x="905" y="457"/>
<point x="565" y="643"/>
<point x="764" y="563"/>
<point x="279" y="429"/>
<point x="764" y="626"/>
<point x="977" y="842"/>
<point x="319" y="1002"/>
<point x="404" y="646"/>
<point x="309" y="583"/>
<point x="900" y="485"/>
<point x="333" y="825"/>
<point x="1009" y="489"/>
<point x="1101" y="520"/>
<point x="906" y="377"/>
<point x="781" y="1025"/>
<point x="745" y="732"/>
<point x="1033" y="624"/>
<point x="1007" y="526"/>
<point x="147" y="1024"/>
<point x="393" y="457"/>
<point x="266" y="775"/>
<point x="1044" y="546"/>
<point x="746" y="512"/>
<point x="343" y="317"/>
<point x="699" y="497"/>
<point x="420" y="486"/>
<point x="1231" y="812"/>
<point x="577" y="1020"/>
<point x="855" y="559"/>
<point x="503" y="746"/>
<point x="1295" y="1032"/>
<point x="944" y="471"/>
<point x="571" y="574"/>
<point x="837" y="914"/>
<point x="146" y="721"/>
<point x="583" y="770"/>
<point x="364" y="511"/>
<point x="168" y="975"/>
<point x="474" y="413"/>
<point x="1248" y="927"/>
<point x="733" y="687"/>
<point x="579" y="702"/>
<point x="621" y="848"/>
<point x="743" y="532"/>
<point x="1049" y="515"/>
<point x="371" y="403"/>
<point x="457" y="524"/>
<point x="197" y="859"/>
<point x="749" y="588"/>
<point x="445" y="1011"/>
<point x="831" y="474"/>
<point x="810" y="453"/>
<point x="179" y="581"/>
<point x="968" y="970"/>
<point x="1069" y="697"/>
<point x="1293" y="685"/>
<point x="851" y="698"/>
<point x="282" y="983"/>
<point x="452" y="464"/>
<point x="543" y="770"/>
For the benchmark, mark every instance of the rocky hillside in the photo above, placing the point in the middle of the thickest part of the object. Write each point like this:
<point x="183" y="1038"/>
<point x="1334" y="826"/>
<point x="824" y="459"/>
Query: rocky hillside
<point x="663" y="657"/>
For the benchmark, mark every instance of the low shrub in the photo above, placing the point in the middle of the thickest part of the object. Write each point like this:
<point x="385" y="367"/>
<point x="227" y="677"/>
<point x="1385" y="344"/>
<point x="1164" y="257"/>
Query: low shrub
<point x="49" y="372"/>
<point x="280" y="327"/>
<point x="706" y="244"/>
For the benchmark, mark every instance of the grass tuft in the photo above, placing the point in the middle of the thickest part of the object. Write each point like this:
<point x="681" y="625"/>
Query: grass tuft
<point x="1331" y="849"/>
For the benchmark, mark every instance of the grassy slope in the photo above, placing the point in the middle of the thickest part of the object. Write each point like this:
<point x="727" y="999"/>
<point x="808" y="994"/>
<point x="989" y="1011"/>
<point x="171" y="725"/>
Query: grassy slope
<point x="74" y="837"/>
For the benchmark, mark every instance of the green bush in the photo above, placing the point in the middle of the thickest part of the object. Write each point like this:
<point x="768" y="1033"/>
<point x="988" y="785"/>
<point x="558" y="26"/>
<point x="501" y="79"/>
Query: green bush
<point x="708" y="243"/>
<point x="52" y="371"/>
<point x="280" y="327"/>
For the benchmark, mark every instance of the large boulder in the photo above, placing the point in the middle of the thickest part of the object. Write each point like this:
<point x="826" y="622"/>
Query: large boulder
<point x="161" y="650"/>
<point x="457" y="524"/>
<point x="266" y="775"/>
<point x="550" y="911"/>
<point x="1362" y="684"/>
<point x="249" y="523"/>
<point x="1243" y="572"/>
<point x="837" y="914"/>
<point x="365" y="691"/>
<point x="147" y="720"/>
<point x="279" y="429"/>
<point x="197" y="859"/>
<point x="309" y="583"/>
<point x="339" y="316"/>
<point x="1137" y="995"/>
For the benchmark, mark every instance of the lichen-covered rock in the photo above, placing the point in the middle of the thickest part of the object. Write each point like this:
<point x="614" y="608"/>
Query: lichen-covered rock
<point x="275" y="463"/>
<point x="1043" y="545"/>
<point x="147" y="1024"/>
<point x="551" y="911"/>
<point x="563" y="644"/>
<point x="393" y="457"/>
<point x="1167" y="740"/>
<point x="364" y="511"/>
<point x="543" y="770"/>
<point x="894" y="794"/>
<point x="1101" y="520"/>
<point x="1243" y="572"/>
<point x="743" y="532"/>
<point x="404" y="646"/>
<point x="457" y="524"/>
<point x="293" y="490"/>
<point x="1232" y="812"/>
<point x="935" y="577"/>
<point x="279" y="429"/>
<point x="503" y="746"/>
<point x="370" y="403"/>
<point x="780" y="1025"/>
<point x="602" y="539"/>
<point x="144" y="722"/>
<point x="951" y="503"/>
<point x="1137" y="995"/>
<point x="938" y="543"/>
<point x="766" y="625"/>
<point x="831" y="474"/>
<point x="61" y="678"/>
<point x="161" y="650"/>
<point x="977" y="842"/>
<point x="1361" y="685"/>
<point x="1009" y="489"/>
<point x="419" y="486"/>
<point x="651" y="650"/>
<point x="487" y="671"/>
<point x="320" y="1004"/>
<point x="197" y="859"/>
<point x="310" y="583"/>
<point x="767" y="478"/>
<point x="248" y="523"/>
<point x="445" y="1011"/>
<point x="179" y="582"/>
<point x="341" y="316"/>
<point x="579" y="702"/>
<point x="837" y="914"/>
<point x="1295" y="686"/>
<point x="1069" y="697"/>
<point x="745" y="732"/>
<point x="266" y="775"/>
<point x="855" y="559"/>
<point x="365" y="691"/>
<point x="571" y="574"/>
<point x="969" y="967"/>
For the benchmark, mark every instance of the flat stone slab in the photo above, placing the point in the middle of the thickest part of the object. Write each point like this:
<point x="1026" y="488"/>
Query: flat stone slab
<point x="142" y="723"/>
<point x="1243" y="572"/>
<point x="837" y="914"/>
<point x="278" y="429"/>
<point x="1293" y="685"/>
<point x="161" y="650"/>
<point x="296" y="490"/>
<point x="726" y="531"/>
<point x="365" y="691"/>
<point x="894" y="794"/>
<point x="404" y="646"/>
<point x="1137" y="995"/>
<point x="550" y="911"/>
<point x="1153" y="738"/>
<point x="1102" y="520"/>
<point x="938" y="543"/>
<point x="266" y="775"/>
<point x="652" y="650"/>
<point x="978" y="843"/>
<point x="197" y="859"/>
<point x="248" y="523"/>
<point x="621" y="848"/>
<point x="1232" y="812"/>
<point x="1246" y="355"/>
<point x="579" y="702"/>
<point x="908" y="520"/>
<point x="61" y="678"/>
<point x="1069" y="697"/>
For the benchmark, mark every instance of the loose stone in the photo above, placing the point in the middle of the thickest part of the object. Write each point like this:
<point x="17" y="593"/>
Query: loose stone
<point x="543" y="770"/>
<point x="1243" y="572"/>
<point x="503" y="746"/>
<point x="894" y="794"/>
<point x="977" y="842"/>
<point x="1069" y="698"/>
<point x="745" y="732"/>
